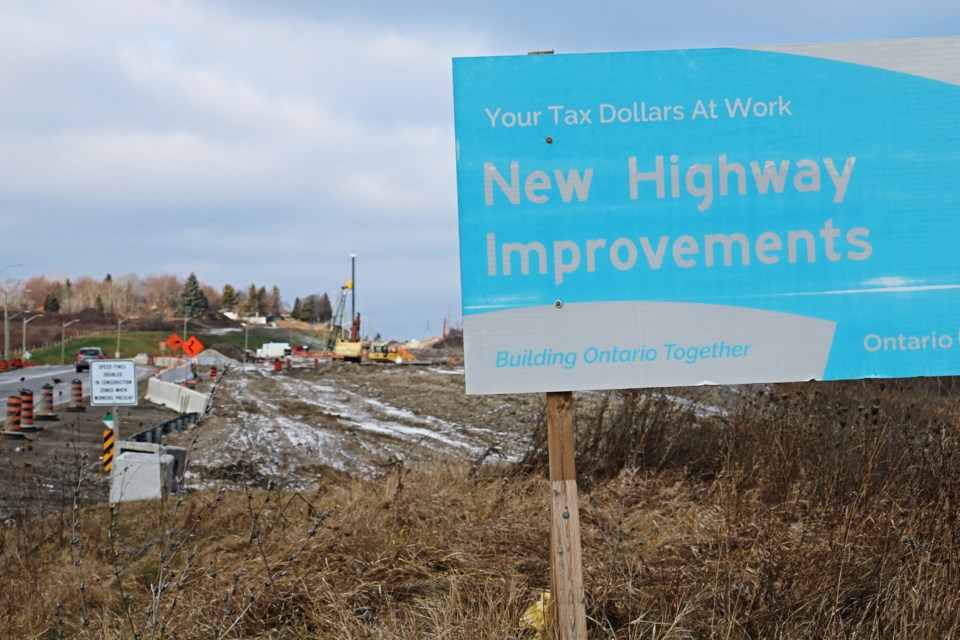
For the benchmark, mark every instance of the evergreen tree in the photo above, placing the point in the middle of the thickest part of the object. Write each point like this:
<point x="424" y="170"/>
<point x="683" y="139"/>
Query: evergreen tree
<point x="253" y="301"/>
<point x="275" y="305"/>
<point x="108" y="280"/>
<point x="297" y="310"/>
<point x="262" y="301"/>
<point x="324" y="309"/>
<point x="67" y="291"/>
<point x="51" y="304"/>
<point x="228" y="298"/>
<point x="193" y="303"/>
<point x="98" y="303"/>
<point x="308" y="312"/>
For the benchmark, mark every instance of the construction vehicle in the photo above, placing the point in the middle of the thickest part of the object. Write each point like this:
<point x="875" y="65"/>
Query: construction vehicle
<point x="349" y="348"/>
<point x="274" y="350"/>
<point x="389" y="352"/>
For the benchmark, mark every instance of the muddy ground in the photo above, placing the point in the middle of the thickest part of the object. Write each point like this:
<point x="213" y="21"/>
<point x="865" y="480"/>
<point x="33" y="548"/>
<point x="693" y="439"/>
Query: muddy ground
<point x="287" y="428"/>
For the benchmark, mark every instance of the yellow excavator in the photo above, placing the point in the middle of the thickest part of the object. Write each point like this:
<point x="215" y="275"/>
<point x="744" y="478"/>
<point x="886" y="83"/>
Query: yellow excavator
<point x="389" y="352"/>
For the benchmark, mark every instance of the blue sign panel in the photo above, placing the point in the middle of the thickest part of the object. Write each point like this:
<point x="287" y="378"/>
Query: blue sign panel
<point x="709" y="216"/>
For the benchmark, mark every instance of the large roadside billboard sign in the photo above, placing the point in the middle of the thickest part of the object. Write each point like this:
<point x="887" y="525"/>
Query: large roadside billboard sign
<point x="708" y="216"/>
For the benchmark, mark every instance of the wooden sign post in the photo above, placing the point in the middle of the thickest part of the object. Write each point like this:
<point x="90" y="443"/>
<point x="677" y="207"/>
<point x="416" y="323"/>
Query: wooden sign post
<point x="562" y="170"/>
<point x="569" y="619"/>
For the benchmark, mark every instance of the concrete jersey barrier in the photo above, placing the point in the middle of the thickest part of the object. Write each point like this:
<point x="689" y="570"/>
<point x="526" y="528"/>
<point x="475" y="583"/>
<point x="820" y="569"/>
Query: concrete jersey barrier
<point x="176" y="397"/>
<point x="176" y="369"/>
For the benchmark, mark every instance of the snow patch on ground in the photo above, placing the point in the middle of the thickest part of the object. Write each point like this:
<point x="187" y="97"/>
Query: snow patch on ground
<point x="288" y="427"/>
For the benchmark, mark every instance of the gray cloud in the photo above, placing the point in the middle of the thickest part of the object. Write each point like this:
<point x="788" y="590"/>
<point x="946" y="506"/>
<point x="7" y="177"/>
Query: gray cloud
<point x="265" y="142"/>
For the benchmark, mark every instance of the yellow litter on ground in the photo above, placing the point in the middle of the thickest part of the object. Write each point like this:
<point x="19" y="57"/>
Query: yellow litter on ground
<point x="537" y="615"/>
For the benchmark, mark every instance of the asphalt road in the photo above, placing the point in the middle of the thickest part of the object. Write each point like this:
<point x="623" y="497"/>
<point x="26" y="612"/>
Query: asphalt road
<point x="34" y="378"/>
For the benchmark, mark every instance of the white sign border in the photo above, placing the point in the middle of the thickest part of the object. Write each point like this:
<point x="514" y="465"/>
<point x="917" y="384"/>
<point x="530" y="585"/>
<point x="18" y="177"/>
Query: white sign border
<point x="95" y="382"/>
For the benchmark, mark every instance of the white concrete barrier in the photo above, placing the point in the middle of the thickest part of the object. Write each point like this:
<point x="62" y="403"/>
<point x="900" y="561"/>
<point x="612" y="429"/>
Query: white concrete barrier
<point x="140" y="476"/>
<point x="160" y="392"/>
<point x="176" y="397"/>
<point x="176" y="371"/>
<point x="194" y="401"/>
<point x="168" y="361"/>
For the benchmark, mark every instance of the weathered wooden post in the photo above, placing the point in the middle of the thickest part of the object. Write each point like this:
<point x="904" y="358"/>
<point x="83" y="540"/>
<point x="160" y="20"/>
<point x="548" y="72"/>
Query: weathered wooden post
<point x="566" y="564"/>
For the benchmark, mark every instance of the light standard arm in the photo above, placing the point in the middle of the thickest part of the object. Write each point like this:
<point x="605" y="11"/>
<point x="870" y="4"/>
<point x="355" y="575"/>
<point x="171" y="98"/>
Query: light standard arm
<point x="63" y="339"/>
<point x="26" y="321"/>
<point x="119" y="322"/>
<point x="6" y="328"/>
<point x="183" y="346"/>
<point x="6" y="318"/>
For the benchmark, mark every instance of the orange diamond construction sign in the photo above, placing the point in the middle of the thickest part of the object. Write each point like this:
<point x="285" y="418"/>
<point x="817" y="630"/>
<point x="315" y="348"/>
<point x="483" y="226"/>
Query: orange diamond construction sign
<point x="192" y="346"/>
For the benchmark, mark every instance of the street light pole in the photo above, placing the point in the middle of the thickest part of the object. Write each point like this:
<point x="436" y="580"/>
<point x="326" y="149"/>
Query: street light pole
<point x="6" y="318"/>
<point x="353" y="287"/>
<point x="120" y="321"/>
<point x="63" y="339"/>
<point x="26" y="320"/>
<point x="6" y="328"/>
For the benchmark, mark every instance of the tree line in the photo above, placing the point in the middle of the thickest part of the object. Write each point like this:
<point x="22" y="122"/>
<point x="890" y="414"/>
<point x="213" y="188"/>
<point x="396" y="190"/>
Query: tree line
<point x="164" y="295"/>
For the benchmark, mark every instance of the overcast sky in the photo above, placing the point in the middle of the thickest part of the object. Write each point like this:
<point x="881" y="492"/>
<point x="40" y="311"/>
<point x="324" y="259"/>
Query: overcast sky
<point x="265" y="141"/>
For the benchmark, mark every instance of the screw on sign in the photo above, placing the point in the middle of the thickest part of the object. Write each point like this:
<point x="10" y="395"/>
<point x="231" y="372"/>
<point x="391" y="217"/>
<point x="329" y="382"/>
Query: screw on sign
<point x="192" y="346"/>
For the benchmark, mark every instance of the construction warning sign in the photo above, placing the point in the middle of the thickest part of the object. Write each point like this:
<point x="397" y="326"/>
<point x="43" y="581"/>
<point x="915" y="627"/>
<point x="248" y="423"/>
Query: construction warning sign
<point x="174" y="342"/>
<point x="192" y="346"/>
<point x="113" y="383"/>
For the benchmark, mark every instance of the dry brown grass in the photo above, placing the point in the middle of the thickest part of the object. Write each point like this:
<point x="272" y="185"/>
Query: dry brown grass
<point x="808" y="511"/>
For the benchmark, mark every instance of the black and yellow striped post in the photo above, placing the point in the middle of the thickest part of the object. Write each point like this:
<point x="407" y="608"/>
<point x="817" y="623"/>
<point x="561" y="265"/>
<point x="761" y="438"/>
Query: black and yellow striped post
<point x="107" y="450"/>
<point x="108" y="438"/>
<point x="112" y="422"/>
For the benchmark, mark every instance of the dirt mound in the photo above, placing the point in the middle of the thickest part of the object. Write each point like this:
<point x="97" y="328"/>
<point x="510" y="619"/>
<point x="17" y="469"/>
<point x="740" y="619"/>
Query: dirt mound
<point x="216" y="320"/>
<point x="450" y="342"/>
<point x="229" y="350"/>
<point x="92" y="316"/>
<point x="150" y="323"/>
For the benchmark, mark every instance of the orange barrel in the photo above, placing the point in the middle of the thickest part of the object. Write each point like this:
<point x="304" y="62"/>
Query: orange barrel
<point x="76" y="395"/>
<point x="26" y="408"/>
<point x="289" y="363"/>
<point x="277" y="365"/>
<point x="3" y="366"/>
<point x="315" y="363"/>
<point x="213" y="372"/>
<point x="45" y="407"/>
<point x="13" y="414"/>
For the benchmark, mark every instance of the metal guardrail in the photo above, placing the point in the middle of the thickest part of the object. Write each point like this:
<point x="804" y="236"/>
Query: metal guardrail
<point x="154" y="433"/>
